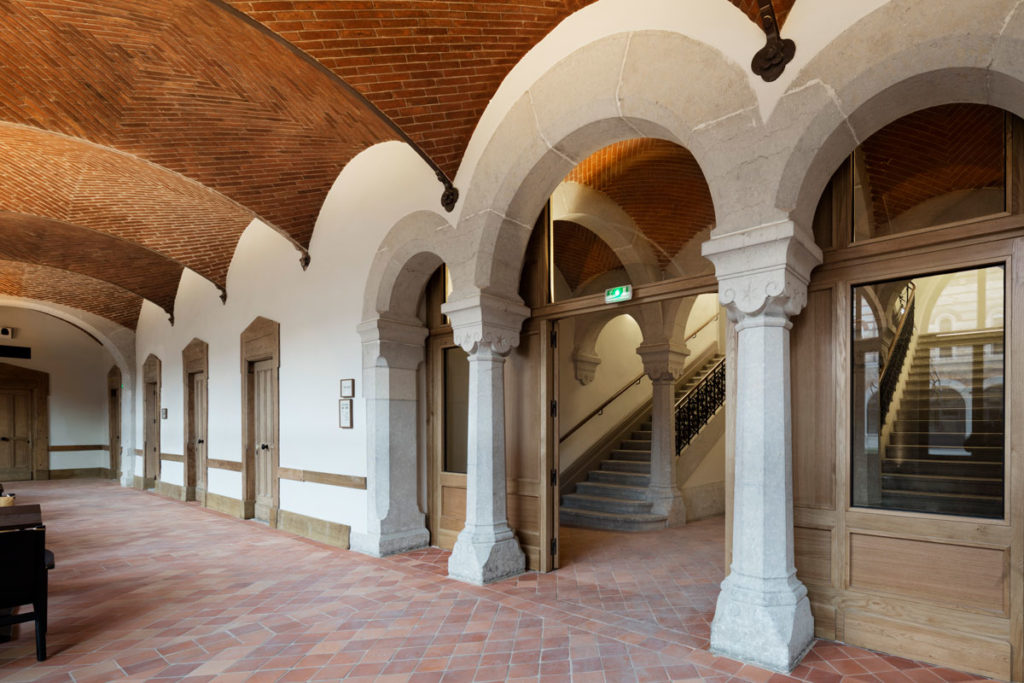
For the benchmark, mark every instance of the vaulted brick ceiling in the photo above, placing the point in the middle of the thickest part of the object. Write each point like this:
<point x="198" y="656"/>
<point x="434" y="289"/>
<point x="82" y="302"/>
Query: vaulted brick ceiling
<point x="580" y="255"/>
<point x="658" y="184"/>
<point x="931" y="153"/>
<point x="165" y="127"/>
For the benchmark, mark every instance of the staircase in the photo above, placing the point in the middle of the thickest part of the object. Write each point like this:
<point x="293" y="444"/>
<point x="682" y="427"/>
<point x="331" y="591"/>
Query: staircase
<point x="944" y="454"/>
<point x="614" y="495"/>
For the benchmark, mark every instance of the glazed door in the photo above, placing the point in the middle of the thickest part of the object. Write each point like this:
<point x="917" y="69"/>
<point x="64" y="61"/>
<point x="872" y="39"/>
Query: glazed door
<point x="264" y="431"/>
<point x="15" y="440"/>
<point x="114" y="419"/>
<point x="449" y="415"/>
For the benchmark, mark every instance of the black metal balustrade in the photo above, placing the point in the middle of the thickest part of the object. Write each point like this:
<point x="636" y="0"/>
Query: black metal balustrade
<point x="696" y="408"/>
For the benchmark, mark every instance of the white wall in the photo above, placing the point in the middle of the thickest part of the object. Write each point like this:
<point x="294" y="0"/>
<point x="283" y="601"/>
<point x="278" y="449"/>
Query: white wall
<point x="78" y="367"/>
<point x="318" y="310"/>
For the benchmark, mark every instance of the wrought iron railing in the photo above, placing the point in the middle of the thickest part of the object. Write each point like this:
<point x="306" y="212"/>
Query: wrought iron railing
<point x="892" y="366"/>
<point x="700" y="403"/>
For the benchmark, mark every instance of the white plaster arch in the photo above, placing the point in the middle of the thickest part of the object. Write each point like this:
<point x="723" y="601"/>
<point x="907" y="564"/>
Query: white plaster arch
<point x="901" y="58"/>
<point x="623" y="86"/>
<point x="119" y="342"/>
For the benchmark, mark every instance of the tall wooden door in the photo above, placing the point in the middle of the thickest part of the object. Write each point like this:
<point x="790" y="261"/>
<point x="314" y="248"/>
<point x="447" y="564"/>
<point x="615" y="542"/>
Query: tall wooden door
<point x="151" y="462"/>
<point x="15" y="435"/>
<point x="195" y="475"/>
<point x="264" y="388"/>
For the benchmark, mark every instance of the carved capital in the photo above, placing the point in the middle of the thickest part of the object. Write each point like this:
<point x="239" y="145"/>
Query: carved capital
<point x="586" y="366"/>
<point x="763" y="270"/>
<point x="396" y="342"/>
<point x="662" y="362"/>
<point x="485" y="319"/>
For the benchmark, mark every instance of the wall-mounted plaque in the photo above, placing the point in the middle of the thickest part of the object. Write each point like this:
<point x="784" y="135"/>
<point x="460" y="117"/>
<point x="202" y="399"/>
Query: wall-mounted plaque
<point x="345" y="413"/>
<point x="348" y="388"/>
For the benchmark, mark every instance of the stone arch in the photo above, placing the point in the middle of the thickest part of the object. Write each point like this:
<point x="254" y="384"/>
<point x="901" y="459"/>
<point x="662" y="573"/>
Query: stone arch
<point x="600" y="94"/>
<point x="970" y="54"/>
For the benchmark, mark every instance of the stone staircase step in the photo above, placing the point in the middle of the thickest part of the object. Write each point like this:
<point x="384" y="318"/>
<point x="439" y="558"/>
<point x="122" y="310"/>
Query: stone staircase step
<point x="620" y="478"/>
<point x="579" y="501"/>
<point x="911" y="452"/>
<point x="636" y="456"/>
<point x="945" y="439"/>
<point x="924" y="425"/>
<point x="964" y="469"/>
<point x="975" y="506"/>
<point x="633" y="466"/>
<point x="593" y="519"/>
<point x="606" y="490"/>
<point x="924" y="483"/>
<point x="634" y="445"/>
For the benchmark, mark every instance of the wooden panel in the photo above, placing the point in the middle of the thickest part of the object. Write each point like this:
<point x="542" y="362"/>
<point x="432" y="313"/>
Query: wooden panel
<point x="345" y="480"/>
<point x="956" y="575"/>
<point x="813" y="554"/>
<point x="230" y="465"/>
<point x="453" y="515"/>
<point x="956" y="650"/>
<point x="814" y="458"/>
<point x="78" y="447"/>
<point x="524" y="441"/>
<point x="320" y="530"/>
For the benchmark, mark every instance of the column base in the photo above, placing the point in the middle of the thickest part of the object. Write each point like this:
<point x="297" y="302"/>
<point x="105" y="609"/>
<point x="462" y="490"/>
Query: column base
<point x="485" y="559"/>
<point x="767" y="623"/>
<point x="393" y="543"/>
<point x="668" y="502"/>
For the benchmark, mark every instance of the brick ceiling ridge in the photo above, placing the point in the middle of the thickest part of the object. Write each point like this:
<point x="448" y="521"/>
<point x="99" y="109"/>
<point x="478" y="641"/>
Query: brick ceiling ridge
<point x="76" y="182"/>
<point x="192" y="87"/>
<point x="66" y="288"/>
<point x="45" y="242"/>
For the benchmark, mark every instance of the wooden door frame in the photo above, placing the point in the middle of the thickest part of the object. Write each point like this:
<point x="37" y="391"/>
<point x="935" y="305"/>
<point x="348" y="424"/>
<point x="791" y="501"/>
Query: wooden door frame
<point x="37" y="383"/>
<point x="115" y="390"/>
<point x="260" y="341"/>
<point x="151" y="374"/>
<point x="195" y="359"/>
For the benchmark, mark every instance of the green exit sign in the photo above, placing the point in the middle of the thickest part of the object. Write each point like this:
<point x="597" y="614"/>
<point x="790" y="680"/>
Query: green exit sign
<point x="617" y="294"/>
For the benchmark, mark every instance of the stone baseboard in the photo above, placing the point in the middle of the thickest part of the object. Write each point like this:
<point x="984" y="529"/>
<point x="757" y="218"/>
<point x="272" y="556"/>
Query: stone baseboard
<point x="170" y="490"/>
<point x="229" y="506"/>
<point x="706" y="500"/>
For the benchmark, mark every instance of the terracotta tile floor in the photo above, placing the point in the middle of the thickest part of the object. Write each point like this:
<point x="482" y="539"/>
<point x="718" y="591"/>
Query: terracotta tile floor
<point x="151" y="589"/>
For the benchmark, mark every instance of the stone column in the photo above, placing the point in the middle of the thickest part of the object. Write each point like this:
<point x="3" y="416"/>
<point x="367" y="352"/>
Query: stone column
<point x="486" y="549"/>
<point x="664" y="366"/>
<point x="392" y="352"/>
<point x="763" y="615"/>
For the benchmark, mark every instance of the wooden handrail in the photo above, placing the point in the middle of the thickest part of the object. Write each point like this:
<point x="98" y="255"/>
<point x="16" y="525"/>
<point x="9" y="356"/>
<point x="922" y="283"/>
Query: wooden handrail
<point x="899" y="330"/>
<point x="600" y="409"/>
<point x="705" y="324"/>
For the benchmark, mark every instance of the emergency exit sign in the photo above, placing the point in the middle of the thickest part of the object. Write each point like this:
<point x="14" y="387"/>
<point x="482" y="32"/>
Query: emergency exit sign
<point x="617" y="294"/>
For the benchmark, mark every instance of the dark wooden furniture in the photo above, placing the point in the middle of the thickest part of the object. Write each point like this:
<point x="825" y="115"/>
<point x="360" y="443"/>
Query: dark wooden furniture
<point x="24" y="561"/>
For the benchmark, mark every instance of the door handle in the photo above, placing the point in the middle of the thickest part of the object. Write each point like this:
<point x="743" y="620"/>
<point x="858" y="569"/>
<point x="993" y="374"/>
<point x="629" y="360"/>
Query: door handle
<point x="4" y="438"/>
<point x="200" y="441"/>
<point x="263" y="447"/>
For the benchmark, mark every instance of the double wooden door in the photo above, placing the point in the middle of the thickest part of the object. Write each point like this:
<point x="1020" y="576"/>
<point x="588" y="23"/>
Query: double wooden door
<point x="15" y="435"/>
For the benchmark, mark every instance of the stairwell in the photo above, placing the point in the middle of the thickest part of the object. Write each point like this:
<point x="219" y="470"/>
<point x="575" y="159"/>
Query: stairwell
<point x="614" y="495"/>
<point x="945" y="451"/>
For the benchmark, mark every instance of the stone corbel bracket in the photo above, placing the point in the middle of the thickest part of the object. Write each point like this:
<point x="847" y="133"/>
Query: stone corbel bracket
<point x="485" y="319"/>
<point x="764" y="269"/>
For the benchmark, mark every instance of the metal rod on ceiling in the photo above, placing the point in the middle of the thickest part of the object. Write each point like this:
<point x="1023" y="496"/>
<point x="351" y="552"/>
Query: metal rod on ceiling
<point x="770" y="61"/>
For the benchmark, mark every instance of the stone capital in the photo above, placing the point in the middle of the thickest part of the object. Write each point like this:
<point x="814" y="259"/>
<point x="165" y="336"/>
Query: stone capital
<point x="486" y="320"/>
<point x="763" y="270"/>
<point x="662" y="361"/>
<point x="586" y="366"/>
<point x="399" y="342"/>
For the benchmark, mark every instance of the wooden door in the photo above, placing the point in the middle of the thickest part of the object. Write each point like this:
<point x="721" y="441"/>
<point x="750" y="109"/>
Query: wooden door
<point x="448" y="425"/>
<point x="195" y="450"/>
<point x="199" y="424"/>
<point x="151" y="464"/>
<point x="114" y="419"/>
<point x="264" y="388"/>
<point x="549" y="363"/>
<point x="15" y="435"/>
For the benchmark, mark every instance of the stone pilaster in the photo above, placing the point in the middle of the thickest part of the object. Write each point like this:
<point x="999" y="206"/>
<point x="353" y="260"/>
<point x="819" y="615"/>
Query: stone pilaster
<point x="392" y="352"/>
<point x="664" y="365"/>
<point x="486" y="550"/>
<point x="763" y="615"/>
